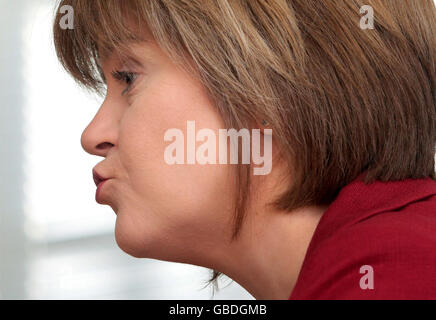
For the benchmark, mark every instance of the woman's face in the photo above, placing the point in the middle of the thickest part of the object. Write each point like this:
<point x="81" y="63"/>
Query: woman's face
<point x="169" y="212"/>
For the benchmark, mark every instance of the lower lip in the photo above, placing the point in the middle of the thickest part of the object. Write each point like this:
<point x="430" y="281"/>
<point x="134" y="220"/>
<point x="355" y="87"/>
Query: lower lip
<point x="97" y="193"/>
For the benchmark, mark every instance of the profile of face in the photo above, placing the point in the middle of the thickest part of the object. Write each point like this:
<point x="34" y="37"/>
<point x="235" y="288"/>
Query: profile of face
<point x="169" y="212"/>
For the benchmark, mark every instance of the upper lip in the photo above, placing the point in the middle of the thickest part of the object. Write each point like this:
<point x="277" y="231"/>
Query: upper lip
<point x="97" y="178"/>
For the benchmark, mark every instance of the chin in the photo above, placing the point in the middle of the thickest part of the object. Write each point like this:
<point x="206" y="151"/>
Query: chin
<point x="130" y="240"/>
<point x="138" y="242"/>
<point x="127" y="245"/>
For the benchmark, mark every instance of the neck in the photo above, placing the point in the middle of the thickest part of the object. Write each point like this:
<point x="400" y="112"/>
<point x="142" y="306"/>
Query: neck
<point x="267" y="257"/>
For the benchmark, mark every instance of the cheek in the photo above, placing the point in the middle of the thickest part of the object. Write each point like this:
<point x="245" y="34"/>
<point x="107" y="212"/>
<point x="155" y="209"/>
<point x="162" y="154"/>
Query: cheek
<point x="172" y="198"/>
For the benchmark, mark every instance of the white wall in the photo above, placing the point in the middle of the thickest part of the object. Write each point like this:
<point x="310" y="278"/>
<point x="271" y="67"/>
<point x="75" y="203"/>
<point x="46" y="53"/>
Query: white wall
<point x="56" y="241"/>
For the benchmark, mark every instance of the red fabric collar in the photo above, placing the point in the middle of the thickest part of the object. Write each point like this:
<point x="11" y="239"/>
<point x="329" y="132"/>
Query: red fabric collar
<point x="358" y="201"/>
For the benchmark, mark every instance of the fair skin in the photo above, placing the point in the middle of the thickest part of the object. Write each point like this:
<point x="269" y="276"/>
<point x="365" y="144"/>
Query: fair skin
<point x="183" y="213"/>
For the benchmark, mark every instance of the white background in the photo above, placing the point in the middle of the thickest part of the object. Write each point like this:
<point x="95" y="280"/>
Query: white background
<point x="56" y="241"/>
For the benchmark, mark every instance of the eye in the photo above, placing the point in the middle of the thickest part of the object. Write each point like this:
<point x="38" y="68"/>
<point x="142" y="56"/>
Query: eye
<point x="126" y="77"/>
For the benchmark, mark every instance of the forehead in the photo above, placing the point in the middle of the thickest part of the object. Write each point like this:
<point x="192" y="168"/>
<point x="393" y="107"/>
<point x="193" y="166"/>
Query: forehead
<point x="125" y="50"/>
<point x="114" y="43"/>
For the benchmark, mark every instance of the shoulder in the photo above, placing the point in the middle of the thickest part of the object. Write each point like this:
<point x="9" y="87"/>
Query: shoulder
<point x="388" y="255"/>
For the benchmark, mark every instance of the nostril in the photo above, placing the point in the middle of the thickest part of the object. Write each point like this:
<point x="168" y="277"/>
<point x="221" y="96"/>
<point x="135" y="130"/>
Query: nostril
<point x="104" y="145"/>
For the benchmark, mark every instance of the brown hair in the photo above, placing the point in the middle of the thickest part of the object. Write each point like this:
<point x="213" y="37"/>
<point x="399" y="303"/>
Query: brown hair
<point x="340" y="100"/>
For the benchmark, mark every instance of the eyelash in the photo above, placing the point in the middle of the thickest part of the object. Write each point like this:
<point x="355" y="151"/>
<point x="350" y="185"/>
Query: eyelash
<point x="126" y="77"/>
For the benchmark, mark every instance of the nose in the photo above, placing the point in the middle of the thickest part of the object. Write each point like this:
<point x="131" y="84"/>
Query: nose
<point x="100" y="135"/>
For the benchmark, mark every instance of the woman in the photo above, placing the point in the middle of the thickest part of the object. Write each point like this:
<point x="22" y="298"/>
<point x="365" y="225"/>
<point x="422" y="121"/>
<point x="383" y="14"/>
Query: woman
<point x="348" y="209"/>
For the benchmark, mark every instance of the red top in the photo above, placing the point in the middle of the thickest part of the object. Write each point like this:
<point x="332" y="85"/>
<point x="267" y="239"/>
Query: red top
<point x="388" y="226"/>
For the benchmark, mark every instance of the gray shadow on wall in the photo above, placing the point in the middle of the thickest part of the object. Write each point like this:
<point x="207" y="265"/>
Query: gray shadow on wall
<point x="12" y="236"/>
